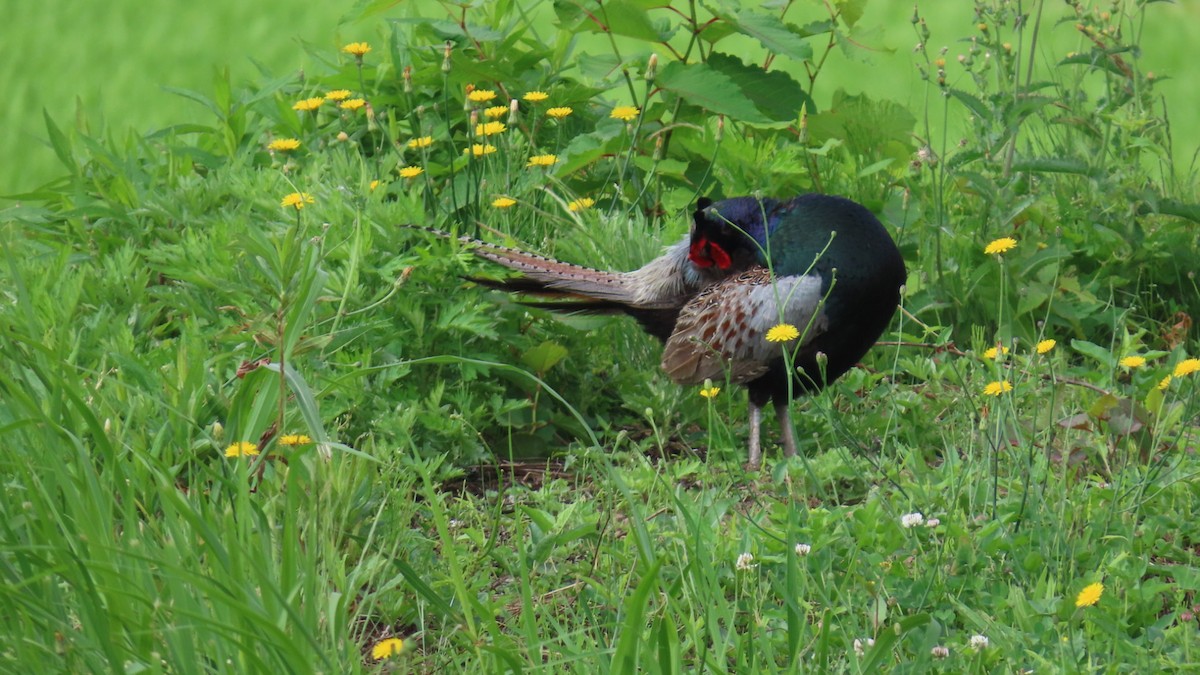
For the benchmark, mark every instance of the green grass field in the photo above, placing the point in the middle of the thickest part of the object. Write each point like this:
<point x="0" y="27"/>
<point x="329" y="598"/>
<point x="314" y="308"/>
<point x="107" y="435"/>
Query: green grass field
<point x="251" y="423"/>
<point x="112" y="62"/>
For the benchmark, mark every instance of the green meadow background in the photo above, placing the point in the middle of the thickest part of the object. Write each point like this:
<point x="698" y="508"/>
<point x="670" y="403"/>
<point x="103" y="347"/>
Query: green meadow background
<point x="112" y="61"/>
<point x="1010" y="483"/>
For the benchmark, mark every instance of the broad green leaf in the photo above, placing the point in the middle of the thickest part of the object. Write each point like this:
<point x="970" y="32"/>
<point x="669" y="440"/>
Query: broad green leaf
<point x="544" y="356"/>
<point x="1095" y="351"/>
<point x="623" y="17"/>
<point x="704" y="86"/>
<point x="776" y="94"/>
<point x="619" y="17"/>
<point x="771" y="33"/>
<point x="851" y="10"/>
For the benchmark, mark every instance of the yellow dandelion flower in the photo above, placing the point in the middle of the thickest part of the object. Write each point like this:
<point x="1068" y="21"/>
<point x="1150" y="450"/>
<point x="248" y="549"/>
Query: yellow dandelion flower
<point x="536" y="96"/>
<point x="542" y="160"/>
<point x="338" y="95"/>
<point x="298" y="200"/>
<point x="559" y="113"/>
<point x="993" y="353"/>
<point x="784" y="332"/>
<point x="420" y="142"/>
<point x="709" y="391"/>
<point x="411" y="171"/>
<point x="581" y="204"/>
<point x="480" y="149"/>
<point x="374" y="184"/>
<point x="242" y="449"/>
<point x="387" y="648"/>
<point x="489" y="128"/>
<point x="1045" y="346"/>
<point x="1133" y="362"/>
<point x="1001" y="245"/>
<point x="1187" y="367"/>
<point x="283" y="144"/>
<point x="997" y="388"/>
<point x="309" y="104"/>
<point x="481" y="95"/>
<point x="294" y="439"/>
<point x="625" y="113"/>
<point x="358" y="49"/>
<point x="496" y="111"/>
<point x="1090" y="595"/>
<point x="503" y="202"/>
<point x="1164" y="383"/>
<point x="352" y="104"/>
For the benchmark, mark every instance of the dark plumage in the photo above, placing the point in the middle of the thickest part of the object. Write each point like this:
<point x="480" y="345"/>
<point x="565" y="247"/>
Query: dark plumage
<point x="820" y="263"/>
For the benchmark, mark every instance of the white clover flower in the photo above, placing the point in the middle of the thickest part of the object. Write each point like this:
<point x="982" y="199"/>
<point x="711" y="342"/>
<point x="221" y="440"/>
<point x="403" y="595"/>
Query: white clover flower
<point x="803" y="549"/>
<point x="933" y="522"/>
<point x="745" y="562"/>
<point x="860" y="646"/>
<point x="911" y="520"/>
<point x="978" y="642"/>
<point x="939" y="652"/>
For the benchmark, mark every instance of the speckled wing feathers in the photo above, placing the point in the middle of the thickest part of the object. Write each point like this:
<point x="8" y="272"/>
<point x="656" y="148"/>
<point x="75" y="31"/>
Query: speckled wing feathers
<point x="725" y="326"/>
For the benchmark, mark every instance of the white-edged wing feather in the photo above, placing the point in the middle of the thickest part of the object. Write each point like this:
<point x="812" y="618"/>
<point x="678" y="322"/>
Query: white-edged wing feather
<point x="725" y="326"/>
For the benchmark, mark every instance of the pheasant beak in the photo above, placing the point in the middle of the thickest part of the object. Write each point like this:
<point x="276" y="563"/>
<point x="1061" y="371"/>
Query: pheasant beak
<point x="704" y="253"/>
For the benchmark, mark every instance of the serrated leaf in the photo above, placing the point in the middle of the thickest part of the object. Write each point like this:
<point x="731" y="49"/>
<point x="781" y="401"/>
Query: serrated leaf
<point x="774" y="34"/>
<point x="976" y="106"/>
<point x="708" y="88"/>
<point x="775" y="94"/>
<point x="58" y="140"/>
<point x="1095" y="60"/>
<point x="771" y="32"/>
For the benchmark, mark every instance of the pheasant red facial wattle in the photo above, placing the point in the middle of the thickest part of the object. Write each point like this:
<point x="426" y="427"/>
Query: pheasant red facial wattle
<point x="705" y="253"/>
<point x="748" y="265"/>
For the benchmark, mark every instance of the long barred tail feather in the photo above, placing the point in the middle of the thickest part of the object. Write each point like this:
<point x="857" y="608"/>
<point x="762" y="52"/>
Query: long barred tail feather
<point x="547" y="276"/>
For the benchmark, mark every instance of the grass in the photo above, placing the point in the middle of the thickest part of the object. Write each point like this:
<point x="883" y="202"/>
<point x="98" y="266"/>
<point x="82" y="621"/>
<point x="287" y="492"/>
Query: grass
<point x="112" y="65"/>
<point x="509" y="490"/>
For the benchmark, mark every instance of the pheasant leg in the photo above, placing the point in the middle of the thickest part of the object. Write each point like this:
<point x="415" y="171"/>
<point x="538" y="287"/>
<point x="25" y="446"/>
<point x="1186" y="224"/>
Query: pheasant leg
<point x="783" y="414"/>
<point x="755" y="437"/>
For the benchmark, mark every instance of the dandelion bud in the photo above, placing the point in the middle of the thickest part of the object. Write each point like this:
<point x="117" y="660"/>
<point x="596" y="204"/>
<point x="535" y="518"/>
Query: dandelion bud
<point x="107" y="424"/>
<point x="474" y="119"/>
<point x="218" y="431"/>
<point x="658" y="148"/>
<point x="446" y="57"/>
<point x="408" y="85"/>
<point x="342" y="137"/>
<point x="513" y="108"/>
<point x="915" y="17"/>
<point x="652" y="68"/>
<point x="803" y="136"/>
<point x="720" y="128"/>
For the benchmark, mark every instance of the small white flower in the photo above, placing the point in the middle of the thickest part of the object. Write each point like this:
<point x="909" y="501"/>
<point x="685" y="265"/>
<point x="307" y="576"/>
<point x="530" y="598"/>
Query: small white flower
<point x="939" y="652"/>
<point x="745" y="562"/>
<point x="860" y="646"/>
<point x="979" y="642"/>
<point x="932" y="522"/>
<point x="911" y="520"/>
<point x="803" y="549"/>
